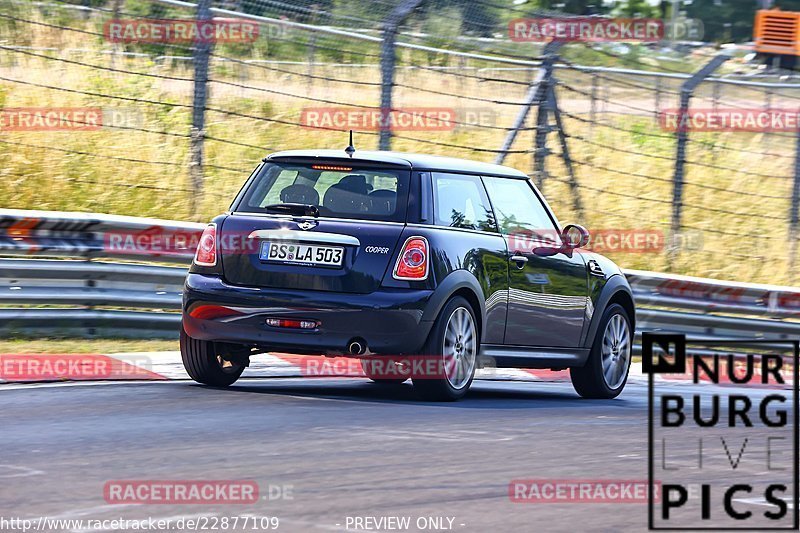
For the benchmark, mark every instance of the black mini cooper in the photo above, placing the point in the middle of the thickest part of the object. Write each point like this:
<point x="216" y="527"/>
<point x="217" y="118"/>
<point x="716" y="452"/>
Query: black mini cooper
<point x="387" y="255"/>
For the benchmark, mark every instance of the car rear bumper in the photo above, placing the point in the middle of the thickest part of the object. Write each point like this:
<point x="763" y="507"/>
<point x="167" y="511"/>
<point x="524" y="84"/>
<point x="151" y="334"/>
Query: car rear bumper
<point x="389" y="320"/>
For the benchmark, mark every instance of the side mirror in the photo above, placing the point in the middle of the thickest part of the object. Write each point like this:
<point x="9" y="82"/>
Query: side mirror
<point x="574" y="236"/>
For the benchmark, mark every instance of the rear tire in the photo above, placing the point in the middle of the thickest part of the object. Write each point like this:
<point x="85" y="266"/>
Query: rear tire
<point x="204" y="365"/>
<point x="606" y="371"/>
<point x="454" y="342"/>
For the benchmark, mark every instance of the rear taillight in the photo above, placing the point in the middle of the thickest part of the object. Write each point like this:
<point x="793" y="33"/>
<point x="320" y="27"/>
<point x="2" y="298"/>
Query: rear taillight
<point x="206" y="254"/>
<point x="210" y="312"/>
<point x="412" y="264"/>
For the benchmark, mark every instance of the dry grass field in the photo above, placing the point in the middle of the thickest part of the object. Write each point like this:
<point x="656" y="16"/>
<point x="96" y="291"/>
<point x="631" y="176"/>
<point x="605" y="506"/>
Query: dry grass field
<point x="736" y="200"/>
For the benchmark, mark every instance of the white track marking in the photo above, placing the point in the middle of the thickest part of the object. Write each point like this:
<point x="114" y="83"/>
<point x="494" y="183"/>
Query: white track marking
<point x="170" y="366"/>
<point x="18" y="471"/>
<point x="371" y="433"/>
<point x="762" y="501"/>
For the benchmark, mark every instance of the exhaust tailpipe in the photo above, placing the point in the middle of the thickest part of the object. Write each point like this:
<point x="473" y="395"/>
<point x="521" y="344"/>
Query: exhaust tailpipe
<point x="356" y="347"/>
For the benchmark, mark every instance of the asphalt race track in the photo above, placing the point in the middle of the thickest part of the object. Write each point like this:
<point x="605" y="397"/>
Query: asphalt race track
<point x="343" y="447"/>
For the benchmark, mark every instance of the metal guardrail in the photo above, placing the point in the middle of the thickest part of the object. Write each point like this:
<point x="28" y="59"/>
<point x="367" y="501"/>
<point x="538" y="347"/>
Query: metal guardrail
<point x="52" y="283"/>
<point x="91" y="236"/>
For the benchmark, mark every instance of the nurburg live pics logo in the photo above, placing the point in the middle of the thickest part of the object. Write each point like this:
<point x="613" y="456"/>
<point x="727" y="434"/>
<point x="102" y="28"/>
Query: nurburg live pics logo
<point x="723" y="448"/>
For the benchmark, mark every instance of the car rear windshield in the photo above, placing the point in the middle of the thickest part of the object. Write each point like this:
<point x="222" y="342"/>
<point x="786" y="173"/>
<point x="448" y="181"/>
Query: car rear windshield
<point x="336" y="190"/>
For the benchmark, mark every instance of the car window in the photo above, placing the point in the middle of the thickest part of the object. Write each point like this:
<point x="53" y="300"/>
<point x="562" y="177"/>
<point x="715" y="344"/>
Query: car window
<point x="519" y="211"/>
<point x="460" y="202"/>
<point x="336" y="190"/>
<point x="284" y="179"/>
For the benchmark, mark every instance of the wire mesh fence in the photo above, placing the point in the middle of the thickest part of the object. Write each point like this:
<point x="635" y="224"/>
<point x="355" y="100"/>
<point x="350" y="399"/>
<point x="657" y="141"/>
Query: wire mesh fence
<point x="183" y="121"/>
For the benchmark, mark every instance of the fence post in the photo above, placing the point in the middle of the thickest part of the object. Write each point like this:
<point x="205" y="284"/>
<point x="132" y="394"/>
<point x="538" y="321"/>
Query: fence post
<point x="312" y="48"/>
<point x="593" y="104"/>
<point x="793" y="211"/>
<point x="388" y="59"/>
<point x="658" y="97"/>
<point x="682" y="135"/>
<point x="715" y="96"/>
<point x="116" y="48"/>
<point x="200" y="58"/>
<point x="536" y="95"/>
<point x="577" y="204"/>
<point x="540" y="150"/>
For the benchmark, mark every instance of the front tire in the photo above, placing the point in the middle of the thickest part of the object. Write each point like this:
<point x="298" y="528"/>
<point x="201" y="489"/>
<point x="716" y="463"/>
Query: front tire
<point x="205" y="365"/>
<point x="454" y="342"/>
<point x="606" y="371"/>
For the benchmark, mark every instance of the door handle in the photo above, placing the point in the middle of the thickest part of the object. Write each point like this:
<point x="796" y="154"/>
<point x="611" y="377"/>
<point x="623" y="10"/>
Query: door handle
<point x="520" y="260"/>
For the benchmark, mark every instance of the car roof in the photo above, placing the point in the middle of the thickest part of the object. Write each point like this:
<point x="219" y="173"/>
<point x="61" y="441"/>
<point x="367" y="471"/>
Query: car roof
<point x="412" y="161"/>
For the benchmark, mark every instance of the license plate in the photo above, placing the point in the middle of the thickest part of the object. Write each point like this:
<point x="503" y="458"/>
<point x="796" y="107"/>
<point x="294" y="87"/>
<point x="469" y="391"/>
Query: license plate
<point x="306" y="254"/>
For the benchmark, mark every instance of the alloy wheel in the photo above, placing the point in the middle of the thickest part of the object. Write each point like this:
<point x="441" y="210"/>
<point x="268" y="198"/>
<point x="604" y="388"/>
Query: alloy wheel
<point x="616" y="351"/>
<point x="459" y="348"/>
